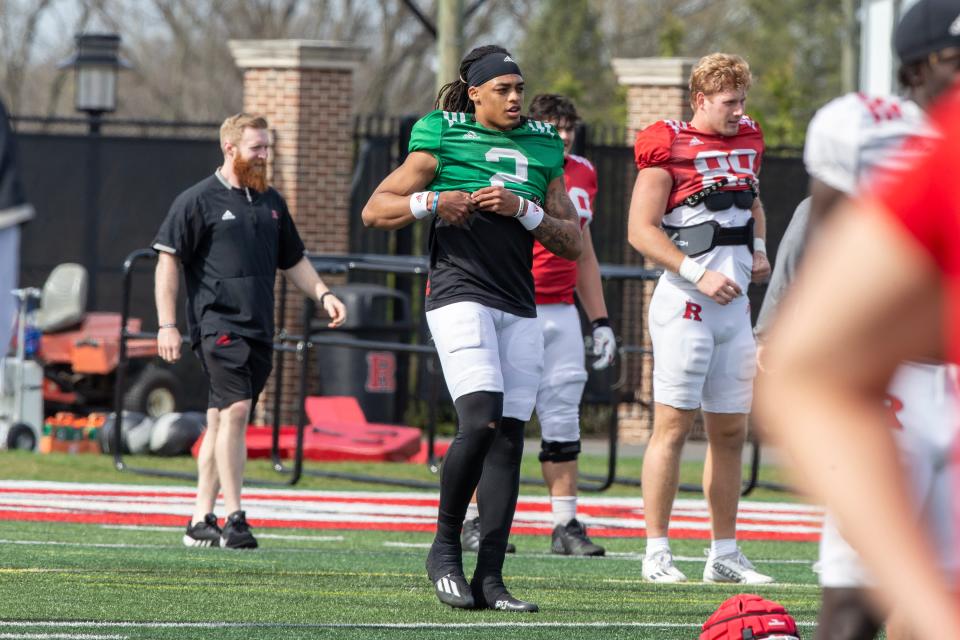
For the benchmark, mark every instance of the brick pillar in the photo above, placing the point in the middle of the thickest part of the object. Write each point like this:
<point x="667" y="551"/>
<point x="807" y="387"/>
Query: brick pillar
<point x="305" y="90"/>
<point x="656" y="90"/>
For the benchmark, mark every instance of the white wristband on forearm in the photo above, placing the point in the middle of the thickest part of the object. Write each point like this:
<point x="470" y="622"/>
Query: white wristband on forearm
<point x="418" y="205"/>
<point x="759" y="244"/>
<point x="532" y="216"/>
<point x="691" y="270"/>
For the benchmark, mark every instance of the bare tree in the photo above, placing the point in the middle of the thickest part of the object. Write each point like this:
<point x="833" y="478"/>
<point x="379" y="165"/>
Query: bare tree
<point x="18" y="33"/>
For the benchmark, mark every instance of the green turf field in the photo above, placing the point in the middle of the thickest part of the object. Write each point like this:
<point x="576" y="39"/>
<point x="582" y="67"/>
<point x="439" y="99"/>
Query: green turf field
<point x="93" y="468"/>
<point x="90" y="581"/>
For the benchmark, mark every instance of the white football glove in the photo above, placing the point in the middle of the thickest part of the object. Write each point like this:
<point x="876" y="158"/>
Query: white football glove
<point x="604" y="345"/>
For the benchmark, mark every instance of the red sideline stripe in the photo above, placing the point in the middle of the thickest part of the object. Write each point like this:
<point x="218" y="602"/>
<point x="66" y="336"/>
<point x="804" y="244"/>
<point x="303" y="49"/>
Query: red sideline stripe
<point x="586" y="510"/>
<point x="191" y="495"/>
<point x="307" y="496"/>
<point x="522" y="529"/>
<point x="172" y="520"/>
<point x="599" y="511"/>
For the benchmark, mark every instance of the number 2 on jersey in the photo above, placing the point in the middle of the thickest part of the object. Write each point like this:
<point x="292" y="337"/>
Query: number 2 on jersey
<point x="496" y="154"/>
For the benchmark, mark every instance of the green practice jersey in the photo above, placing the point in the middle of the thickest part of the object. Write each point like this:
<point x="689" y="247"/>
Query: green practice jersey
<point x="471" y="156"/>
<point x="490" y="260"/>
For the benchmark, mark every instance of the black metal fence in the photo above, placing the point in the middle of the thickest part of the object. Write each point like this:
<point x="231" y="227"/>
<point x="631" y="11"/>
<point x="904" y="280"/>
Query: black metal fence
<point x="380" y="146"/>
<point x="98" y="196"/>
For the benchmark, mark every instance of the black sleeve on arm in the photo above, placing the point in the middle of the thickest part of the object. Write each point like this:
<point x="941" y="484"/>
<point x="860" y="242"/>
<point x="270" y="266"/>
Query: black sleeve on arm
<point x="291" y="246"/>
<point x="182" y="229"/>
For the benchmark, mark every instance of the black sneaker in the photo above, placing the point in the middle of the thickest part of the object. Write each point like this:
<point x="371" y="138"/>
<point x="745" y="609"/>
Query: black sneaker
<point x="571" y="540"/>
<point x="236" y="532"/>
<point x="470" y="537"/>
<point x="202" y="534"/>
<point x="489" y="592"/>
<point x="449" y="583"/>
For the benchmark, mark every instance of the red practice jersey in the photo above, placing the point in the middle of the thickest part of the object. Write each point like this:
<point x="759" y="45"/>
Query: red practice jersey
<point x="924" y="201"/>
<point x="696" y="160"/>
<point x="555" y="278"/>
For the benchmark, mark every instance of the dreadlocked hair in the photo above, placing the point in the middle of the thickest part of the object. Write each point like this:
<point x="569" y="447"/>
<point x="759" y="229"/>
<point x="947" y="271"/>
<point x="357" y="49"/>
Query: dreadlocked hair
<point x="453" y="95"/>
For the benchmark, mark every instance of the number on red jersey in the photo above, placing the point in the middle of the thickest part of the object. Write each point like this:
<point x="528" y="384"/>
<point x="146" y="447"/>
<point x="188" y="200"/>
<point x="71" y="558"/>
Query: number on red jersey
<point x="696" y="160"/>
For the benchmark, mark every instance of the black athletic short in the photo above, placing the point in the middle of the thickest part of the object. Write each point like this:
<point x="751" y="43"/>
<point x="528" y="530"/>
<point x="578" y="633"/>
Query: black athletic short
<point x="237" y="368"/>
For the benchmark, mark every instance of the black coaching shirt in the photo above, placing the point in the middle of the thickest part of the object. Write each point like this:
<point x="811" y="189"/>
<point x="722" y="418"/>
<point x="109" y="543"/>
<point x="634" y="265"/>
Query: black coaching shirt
<point x="231" y="243"/>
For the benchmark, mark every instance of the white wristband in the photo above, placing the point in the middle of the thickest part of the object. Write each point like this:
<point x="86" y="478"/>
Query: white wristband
<point x="418" y="205"/>
<point x="759" y="244"/>
<point x="532" y="217"/>
<point x="691" y="270"/>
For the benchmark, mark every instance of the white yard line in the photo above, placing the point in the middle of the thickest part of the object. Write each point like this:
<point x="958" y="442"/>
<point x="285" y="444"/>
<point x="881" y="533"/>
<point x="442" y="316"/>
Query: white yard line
<point x="62" y="636"/>
<point x="407" y="545"/>
<point x="96" y="545"/>
<point x="616" y="555"/>
<point x="269" y="536"/>
<point x="359" y="625"/>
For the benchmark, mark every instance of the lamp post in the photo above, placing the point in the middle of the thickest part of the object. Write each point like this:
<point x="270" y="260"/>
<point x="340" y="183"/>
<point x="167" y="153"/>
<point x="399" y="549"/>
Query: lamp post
<point x="96" y="63"/>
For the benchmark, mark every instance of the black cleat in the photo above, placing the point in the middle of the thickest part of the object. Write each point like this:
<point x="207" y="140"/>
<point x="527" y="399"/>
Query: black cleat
<point x="571" y="540"/>
<point x="470" y="537"/>
<point x="490" y="593"/>
<point x="236" y="532"/>
<point x="448" y="580"/>
<point x="202" y="534"/>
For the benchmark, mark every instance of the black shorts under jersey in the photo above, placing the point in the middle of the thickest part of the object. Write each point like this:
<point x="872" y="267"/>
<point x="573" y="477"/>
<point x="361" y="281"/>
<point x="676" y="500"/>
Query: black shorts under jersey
<point x="237" y="368"/>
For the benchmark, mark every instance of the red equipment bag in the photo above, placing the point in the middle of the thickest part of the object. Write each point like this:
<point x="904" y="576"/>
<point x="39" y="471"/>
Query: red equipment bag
<point x="748" y="617"/>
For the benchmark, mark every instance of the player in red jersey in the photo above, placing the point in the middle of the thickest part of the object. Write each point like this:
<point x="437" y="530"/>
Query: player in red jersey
<point x="880" y="285"/>
<point x="698" y="183"/>
<point x="564" y="376"/>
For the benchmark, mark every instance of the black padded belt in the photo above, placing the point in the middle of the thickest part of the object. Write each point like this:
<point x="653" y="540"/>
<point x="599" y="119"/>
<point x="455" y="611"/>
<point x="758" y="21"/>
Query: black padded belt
<point x="701" y="238"/>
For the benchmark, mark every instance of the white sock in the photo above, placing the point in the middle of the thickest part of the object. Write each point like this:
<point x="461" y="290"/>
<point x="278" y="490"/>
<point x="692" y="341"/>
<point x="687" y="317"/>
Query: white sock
<point x="723" y="547"/>
<point x="564" y="509"/>
<point x="472" y="512"/>
<point x="656" y="545"/>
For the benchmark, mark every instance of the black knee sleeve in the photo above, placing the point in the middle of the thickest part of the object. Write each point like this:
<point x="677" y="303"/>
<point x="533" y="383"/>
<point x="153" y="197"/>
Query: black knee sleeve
<point x="479" y="410"/>
<point x="478" y="417"/>
<point x="559" y="451"/>
<point x="497" y="495"/>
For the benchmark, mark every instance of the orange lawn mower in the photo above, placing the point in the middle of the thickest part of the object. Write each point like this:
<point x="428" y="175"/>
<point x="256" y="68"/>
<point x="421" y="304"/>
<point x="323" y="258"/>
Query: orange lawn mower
<point x="79" y="351"/>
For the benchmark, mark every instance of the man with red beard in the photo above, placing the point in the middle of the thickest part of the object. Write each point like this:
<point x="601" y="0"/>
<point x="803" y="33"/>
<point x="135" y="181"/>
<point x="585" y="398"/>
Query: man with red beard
<point x="231" y="231"/>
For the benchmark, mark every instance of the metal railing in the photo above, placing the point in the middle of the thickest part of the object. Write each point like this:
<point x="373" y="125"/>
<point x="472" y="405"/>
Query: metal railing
<point x="302" y="345"/>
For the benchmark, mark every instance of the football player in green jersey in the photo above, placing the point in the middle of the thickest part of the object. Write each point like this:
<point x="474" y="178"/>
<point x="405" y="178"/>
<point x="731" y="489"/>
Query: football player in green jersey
<point x="489" y="181"/>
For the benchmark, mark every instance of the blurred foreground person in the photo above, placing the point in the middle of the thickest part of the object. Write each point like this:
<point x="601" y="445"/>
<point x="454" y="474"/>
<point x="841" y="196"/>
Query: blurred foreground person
<point x="881" y="285"/>
<point x="849" y="139"/>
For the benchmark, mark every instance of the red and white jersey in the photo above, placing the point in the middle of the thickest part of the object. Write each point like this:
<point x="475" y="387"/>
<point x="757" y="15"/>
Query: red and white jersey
<point x="925" y="204"/>
<point x="854" y="136"/>
<point x="555" y="278"/>
<point x="695" y="160"/>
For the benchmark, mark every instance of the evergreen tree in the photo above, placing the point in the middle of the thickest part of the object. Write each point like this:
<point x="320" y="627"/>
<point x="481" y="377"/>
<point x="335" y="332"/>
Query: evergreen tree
<point x="563" y="52"/>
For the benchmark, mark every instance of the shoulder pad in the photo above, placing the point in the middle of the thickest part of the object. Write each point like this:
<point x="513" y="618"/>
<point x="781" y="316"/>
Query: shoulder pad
<point x="652" y="147"/>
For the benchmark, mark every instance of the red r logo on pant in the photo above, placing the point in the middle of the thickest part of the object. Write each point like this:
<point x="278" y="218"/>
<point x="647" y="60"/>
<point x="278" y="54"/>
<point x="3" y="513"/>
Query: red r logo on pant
<point x="692" y="312"/>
